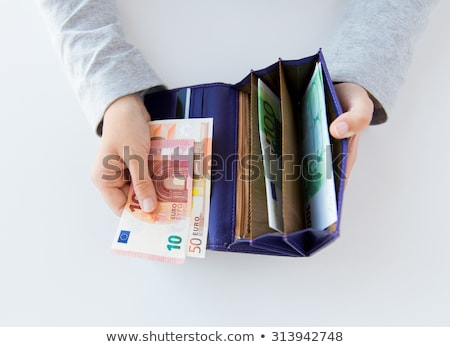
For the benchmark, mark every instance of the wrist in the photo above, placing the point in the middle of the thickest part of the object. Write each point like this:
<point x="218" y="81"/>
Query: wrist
<point x="126" y="109"/>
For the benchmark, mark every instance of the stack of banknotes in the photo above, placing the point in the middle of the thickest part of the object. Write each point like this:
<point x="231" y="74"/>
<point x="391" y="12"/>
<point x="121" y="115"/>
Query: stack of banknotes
<point x="180" y="173"/>
<point x="318" y="191"/>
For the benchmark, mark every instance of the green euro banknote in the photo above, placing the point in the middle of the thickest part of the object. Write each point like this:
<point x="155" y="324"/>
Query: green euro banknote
<point x="320" y="194"/>
<point x="269" y="116"/>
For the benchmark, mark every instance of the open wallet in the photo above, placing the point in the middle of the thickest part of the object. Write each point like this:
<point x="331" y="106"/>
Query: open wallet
<point x="238" y="220"/>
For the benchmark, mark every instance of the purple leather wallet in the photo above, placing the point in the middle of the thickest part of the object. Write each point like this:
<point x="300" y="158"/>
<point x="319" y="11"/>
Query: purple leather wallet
<point x="221" y="101"/>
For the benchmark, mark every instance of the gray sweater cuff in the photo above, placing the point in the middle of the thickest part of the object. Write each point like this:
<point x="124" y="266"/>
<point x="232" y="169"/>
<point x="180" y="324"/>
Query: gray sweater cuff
<point x="373" y="47"/>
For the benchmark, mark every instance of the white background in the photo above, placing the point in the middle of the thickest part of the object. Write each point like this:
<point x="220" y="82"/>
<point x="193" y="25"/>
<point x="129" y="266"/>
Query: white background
<point x="391" y="266"/>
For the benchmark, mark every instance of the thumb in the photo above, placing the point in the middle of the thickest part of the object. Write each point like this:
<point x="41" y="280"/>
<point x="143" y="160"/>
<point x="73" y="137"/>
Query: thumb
<point x="137" y="163"/>
<point x="358" y="110"/>
<point x="350" y="123"/>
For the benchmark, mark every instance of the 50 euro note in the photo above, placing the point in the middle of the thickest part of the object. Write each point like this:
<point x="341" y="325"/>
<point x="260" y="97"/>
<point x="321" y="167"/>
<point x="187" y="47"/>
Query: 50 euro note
<point x="200" y="130"/>
<point x="162" y="234"/>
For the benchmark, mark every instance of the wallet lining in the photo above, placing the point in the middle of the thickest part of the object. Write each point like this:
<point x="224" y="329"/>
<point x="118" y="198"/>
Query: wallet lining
<point x="289" y="83"/>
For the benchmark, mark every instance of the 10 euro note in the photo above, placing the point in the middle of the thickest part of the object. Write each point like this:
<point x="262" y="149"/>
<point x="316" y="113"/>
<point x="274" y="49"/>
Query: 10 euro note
<point x="162" y="234"/>
<point x="200" y="130"/>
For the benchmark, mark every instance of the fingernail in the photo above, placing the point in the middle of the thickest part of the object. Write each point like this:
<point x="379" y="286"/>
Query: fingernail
<point x="340" y="129"/>
<point x="148" y="205"/>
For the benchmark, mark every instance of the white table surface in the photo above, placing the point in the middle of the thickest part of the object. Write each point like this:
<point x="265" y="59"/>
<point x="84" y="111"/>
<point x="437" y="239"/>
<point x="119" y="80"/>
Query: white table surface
<point x="391" y="265"/>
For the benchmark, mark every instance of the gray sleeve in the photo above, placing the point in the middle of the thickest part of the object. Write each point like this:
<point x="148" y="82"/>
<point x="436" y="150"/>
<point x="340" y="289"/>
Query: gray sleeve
<point x="373" y="47"/>
<point x="101" y="65"/>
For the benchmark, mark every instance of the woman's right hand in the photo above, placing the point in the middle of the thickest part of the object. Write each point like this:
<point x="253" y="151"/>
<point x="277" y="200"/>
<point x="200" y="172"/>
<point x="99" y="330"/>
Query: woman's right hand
<point x="123" y="155"/>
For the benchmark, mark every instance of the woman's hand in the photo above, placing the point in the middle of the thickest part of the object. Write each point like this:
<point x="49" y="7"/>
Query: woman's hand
<point x="358" y="110"/>
<point x="123" y="154"/>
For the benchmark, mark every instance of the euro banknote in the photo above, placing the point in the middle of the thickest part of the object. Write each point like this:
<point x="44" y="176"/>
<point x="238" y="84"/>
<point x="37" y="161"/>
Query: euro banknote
<point x="269" y="116"/>
<point x="320" y="194"/>
<point x="200" y="130"/>
<point x="161" y="235"/>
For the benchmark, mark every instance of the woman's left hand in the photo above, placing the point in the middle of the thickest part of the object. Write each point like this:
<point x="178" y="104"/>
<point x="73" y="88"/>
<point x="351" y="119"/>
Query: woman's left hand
<point x="358" y="110"/>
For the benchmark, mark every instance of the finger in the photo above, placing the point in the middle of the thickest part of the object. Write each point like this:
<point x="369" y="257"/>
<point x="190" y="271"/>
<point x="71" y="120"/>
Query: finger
<point x="137" y="164"/>
<point x="350" y="123"/>
<point x="352" y="154"/>
<point x="108" y="176"/>
<point x="358" y="110"/>
<point x="115" y="198"/>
